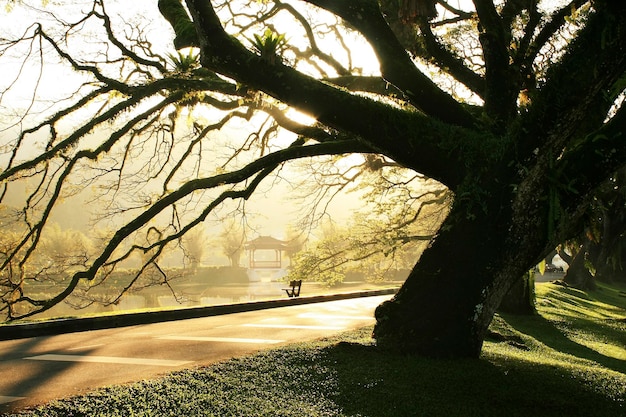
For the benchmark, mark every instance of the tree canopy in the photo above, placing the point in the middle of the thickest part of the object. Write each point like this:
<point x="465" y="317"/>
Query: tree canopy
<point x="516" y="106"/>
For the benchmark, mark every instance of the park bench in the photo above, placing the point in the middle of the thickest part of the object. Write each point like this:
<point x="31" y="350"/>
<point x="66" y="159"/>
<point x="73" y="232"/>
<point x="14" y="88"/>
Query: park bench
<point x="294" y="290"/>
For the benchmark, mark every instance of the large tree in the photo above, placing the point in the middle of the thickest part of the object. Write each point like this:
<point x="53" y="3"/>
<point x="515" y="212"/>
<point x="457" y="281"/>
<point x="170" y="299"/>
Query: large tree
<point x="514" y="105"/>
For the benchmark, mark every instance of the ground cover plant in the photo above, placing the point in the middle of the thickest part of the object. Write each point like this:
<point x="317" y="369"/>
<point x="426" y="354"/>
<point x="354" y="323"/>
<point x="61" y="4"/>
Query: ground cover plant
<point x="569" y="360"/>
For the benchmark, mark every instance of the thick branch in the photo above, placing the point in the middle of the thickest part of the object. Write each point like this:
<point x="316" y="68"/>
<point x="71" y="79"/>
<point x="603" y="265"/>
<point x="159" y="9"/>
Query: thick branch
<point x="502" y="85"/>
<point x="396" y="65"/>
<point x="256" y="171"/>
<point x="584" y="168"/>
<point x="449" y="62"/>
<point x="137" y="95"/>
<point x="567" y="105"/>
<point x="233" y="177"/>
<point x="30" y="240"/>
<point x="410" y="139"/>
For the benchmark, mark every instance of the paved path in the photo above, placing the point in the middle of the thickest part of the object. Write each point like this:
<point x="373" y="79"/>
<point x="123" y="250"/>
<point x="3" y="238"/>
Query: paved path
<point x="39" y="369"/>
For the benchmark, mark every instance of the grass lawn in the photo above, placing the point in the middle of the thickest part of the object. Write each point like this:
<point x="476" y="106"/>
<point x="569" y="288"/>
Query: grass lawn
<point x="570" y="360"/>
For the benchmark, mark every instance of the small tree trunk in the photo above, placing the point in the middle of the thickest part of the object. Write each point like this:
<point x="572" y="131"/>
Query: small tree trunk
<point x="521" y="297"/>
<point x="551" y="256"/>
<point x="565" y="256"/>
<point x="578" y="275"/>
<point x="608" y="260"/>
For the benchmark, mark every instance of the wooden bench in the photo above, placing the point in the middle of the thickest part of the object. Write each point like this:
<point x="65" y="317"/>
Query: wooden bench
<point x="294" y="290"/>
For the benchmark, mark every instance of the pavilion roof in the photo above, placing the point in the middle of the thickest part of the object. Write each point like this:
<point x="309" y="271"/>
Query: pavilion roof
<point x="266" y="242"/>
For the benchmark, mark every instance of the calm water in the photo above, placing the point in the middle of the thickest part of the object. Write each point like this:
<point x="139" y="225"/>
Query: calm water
<point x="194" y="295"/>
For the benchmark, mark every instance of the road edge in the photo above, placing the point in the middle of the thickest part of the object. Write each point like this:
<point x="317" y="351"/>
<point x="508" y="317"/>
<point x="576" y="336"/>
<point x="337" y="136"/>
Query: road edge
<point x="72" y="325"/>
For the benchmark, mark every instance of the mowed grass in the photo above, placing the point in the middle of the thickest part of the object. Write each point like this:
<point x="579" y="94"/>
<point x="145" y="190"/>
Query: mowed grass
<point x="570" y="360"/>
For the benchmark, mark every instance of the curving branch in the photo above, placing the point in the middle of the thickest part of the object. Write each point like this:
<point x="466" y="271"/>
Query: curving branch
<point x="396" y="65"/>
<point x="535" y="43"/>
<point x="134" y="58"/>
<point x="331" y="106"/>
<point x="255" y="171"/>
<point x="436" y="52"/>
<point x="501" y="81"/>
<point x="578" y="113"/>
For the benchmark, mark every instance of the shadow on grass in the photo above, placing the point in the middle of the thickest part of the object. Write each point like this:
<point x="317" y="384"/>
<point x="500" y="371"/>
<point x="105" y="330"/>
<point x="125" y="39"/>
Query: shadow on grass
<point x="343" y="379"/>
<point x="607" y="300"/>
<point x="348" y="376"/>
<point x="582" y="324"/>
<point x="376" y="384"/>
<point x="555" y="337"/>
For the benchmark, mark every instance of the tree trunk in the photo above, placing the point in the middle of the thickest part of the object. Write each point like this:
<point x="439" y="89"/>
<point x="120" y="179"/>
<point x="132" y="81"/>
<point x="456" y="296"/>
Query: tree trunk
<point x="567" y="258"/>
<point x="521" y="297"/>
<point x="608" y="260"/>
<point x="448" y="301"/>
<point x="578" y="275"/>
<point x="550" y="257"/>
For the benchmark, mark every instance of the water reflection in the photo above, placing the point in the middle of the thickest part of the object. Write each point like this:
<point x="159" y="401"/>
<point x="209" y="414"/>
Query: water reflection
<point x="182" y="296"/>
<point x="195" y="293"/>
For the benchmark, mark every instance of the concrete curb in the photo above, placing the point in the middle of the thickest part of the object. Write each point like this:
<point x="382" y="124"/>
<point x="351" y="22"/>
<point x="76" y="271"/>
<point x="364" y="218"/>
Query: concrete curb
<point x="53" y="327"/>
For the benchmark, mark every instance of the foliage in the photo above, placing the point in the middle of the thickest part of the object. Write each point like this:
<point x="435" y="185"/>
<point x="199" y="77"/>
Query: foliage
<point x="232" y="241"/>
<point x="269" y="44"/>
<point x="401" y="214"/>
<point x="373" y="244"/>
<point x="61" y="253"/>
<point x="537" y="365"/>
<point x="185" y="63"/>
<point x="194" y="245"/>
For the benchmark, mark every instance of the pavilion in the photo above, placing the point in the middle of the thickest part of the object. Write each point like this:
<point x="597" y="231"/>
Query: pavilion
<point x="268" y="258"/>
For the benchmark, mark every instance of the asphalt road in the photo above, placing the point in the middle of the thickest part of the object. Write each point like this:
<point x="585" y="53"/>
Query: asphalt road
<point x="39" y="369"/>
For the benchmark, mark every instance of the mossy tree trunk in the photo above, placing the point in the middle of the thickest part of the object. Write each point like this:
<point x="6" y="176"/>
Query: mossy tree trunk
<point x="445" y="305"/>
<point x="448" y="301"/>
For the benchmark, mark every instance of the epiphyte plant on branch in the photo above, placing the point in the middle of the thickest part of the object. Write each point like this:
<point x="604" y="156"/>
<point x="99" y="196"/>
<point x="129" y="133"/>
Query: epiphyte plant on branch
<point x="184" y="62"/>
<point x="503" y="102"/>
<point x="268" y="45"/>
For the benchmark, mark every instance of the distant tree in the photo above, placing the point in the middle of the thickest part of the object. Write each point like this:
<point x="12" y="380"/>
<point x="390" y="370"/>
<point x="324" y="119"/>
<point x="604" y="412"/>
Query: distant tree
<point x="326" y="260"/>
<point x="232" y="241"/>
<point x="295" y="239"/>
<point x="579" y="271"/>
<point x="61" y="253"/>
<point x="515" y="106"/>
<point x="194" y="245"/>
<point x="64" y="250"/>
